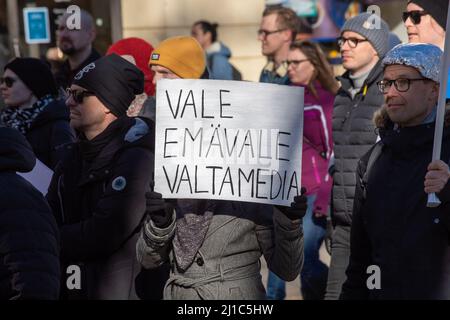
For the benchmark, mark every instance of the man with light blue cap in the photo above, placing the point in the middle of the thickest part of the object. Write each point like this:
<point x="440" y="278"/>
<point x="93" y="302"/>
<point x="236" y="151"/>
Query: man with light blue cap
<point x="400" y="247"/>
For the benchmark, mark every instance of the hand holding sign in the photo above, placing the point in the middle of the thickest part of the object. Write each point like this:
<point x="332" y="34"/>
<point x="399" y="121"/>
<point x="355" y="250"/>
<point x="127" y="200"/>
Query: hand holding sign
<point x="298" y="208"/>
<point x="159" y="210"/>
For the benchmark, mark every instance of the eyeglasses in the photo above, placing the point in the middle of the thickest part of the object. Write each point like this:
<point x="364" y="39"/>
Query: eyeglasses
<point x="295" y="63"/>
<point x="401" y="84"/>
<point x="415" y="15"/>
<point x="8" y="81"/>
<point x="78" y="95"/>
<point x="265" y="33"/>
<point x="352" y="42"/>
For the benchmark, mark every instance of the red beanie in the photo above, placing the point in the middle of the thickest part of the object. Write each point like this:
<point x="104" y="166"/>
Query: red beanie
<point x="141" y="51"/>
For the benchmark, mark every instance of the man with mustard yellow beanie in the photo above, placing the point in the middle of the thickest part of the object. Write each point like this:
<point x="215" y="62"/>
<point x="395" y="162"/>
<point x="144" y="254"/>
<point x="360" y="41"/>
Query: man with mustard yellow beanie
<point x="178" y="58"/>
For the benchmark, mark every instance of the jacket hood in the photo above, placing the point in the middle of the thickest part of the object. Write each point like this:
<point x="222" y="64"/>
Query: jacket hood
<point x="16" y="153"/>
<point x="219" y="48"/>
<point x="56" y="110"/>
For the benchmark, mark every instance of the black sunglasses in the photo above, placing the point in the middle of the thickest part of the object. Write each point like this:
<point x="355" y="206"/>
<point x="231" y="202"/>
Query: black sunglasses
<point x="78" y="95"/>
<point x="8" y="81"/>
<point x="415" y="15"/>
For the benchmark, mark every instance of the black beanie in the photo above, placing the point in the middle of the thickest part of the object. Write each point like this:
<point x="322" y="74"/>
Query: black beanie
<point x="436" y="8"/>
<point x="36" y="75"/>
<point x="114" y="80"/>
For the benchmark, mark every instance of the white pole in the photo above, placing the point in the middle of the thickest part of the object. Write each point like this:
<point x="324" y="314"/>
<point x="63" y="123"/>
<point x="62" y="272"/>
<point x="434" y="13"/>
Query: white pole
<point x="433" y="200"/>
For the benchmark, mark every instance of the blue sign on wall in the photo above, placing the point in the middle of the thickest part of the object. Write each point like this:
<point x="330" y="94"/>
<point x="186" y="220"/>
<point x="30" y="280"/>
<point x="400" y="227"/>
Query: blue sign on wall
<point x="37" y="25"/>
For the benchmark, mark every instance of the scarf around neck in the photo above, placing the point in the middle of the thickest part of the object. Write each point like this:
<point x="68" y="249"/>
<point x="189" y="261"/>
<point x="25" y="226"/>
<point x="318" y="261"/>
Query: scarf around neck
<point x="192" y="225"/>
<point x="22" y="119"/>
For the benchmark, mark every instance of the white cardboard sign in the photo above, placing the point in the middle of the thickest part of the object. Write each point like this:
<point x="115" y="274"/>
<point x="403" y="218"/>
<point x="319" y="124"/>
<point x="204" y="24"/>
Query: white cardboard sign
<point x="228" y="140"/>
<point x="40" y="177"/>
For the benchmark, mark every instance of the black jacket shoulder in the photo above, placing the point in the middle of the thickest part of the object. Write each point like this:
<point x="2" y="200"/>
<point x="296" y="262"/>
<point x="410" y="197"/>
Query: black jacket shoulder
<point x="49" y="131"/>
<point x="29" y="239"/>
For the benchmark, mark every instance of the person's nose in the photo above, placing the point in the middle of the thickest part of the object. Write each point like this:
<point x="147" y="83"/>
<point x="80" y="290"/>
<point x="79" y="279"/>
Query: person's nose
<point x="70" y="102"/>
<point x="260" y="36"/>
<point x="156" y="77"/>
<point x="408" y="22"/>
<point x="345" y="47"/>
<point x="391" y="92"/>
<point x="290" y="66"/>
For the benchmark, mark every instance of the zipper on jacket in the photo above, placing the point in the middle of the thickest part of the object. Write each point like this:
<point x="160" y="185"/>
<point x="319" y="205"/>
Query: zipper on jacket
<point x="61" y="206"/>
<point x="359" y="97"/>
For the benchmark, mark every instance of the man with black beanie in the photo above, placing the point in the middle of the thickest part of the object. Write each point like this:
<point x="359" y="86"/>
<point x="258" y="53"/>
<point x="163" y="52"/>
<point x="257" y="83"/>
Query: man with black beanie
<point x="426" y="20"/>
<point x="98" y="192"/>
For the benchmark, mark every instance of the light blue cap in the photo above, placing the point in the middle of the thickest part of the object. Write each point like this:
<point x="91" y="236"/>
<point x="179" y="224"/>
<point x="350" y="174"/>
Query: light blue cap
<point x="426" y="58"/>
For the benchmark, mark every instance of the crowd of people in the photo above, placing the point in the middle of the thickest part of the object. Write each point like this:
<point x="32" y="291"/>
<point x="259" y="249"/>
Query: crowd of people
<point x="102" y="232"/>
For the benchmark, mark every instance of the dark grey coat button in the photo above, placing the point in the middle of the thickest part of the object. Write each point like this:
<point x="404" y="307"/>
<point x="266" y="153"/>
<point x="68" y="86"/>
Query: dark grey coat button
<point x="200" y="261"/>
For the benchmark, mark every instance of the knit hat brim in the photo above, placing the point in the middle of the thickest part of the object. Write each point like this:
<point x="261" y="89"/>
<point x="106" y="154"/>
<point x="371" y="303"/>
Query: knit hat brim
<point x="114" y="81"/>
<point x="377" y="35"/>
<point x="436" y="8"/>
<point x="182" y="70"/>
<point x="35" y="74"/>
<point x="181" y="55"/>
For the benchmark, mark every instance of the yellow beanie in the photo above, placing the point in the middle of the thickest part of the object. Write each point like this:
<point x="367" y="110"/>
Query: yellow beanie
<point x="182" y="55"/>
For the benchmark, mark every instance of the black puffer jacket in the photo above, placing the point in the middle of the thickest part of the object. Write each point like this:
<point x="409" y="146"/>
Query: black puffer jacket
<point x="100" y="208"/>
<point x="49" y="132"/>
<point x="393" y="228"/>
<point x="353" y="135"/>
<point x="29" y="261"/>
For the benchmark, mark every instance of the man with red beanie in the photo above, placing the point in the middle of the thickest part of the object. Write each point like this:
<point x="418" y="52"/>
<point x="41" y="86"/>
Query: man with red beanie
<point x="137" y="51"/>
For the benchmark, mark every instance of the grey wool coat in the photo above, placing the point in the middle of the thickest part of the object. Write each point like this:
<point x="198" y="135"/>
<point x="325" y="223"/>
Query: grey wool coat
<point x="227" y="265"/>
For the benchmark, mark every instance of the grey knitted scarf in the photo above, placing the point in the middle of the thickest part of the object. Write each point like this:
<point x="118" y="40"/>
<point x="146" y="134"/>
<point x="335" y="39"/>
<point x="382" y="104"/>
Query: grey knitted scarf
<point x="192" y="225"/>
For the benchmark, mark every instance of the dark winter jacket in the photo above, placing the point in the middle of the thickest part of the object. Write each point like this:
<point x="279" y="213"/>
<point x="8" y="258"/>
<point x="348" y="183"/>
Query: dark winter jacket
<point x="353" y="135"/>
<point x="49" y="132"/>
<point x="29" y="260"/>
<point x="100" y="204"/>
<point x="392" y="227"/>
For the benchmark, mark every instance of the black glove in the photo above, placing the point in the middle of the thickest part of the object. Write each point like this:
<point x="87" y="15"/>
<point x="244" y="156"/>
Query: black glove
<point x="158" y="209"/>
<point x="298" y="208"/>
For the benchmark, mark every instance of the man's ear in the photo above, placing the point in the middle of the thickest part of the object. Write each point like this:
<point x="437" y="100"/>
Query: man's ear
<point x="93" y="34"/>
<point x="435" y="92"/>
<point x="287" y="35"/>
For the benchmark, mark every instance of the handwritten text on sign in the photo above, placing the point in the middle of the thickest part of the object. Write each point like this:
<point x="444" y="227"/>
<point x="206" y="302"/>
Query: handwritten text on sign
<point x="228" y="140"/>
